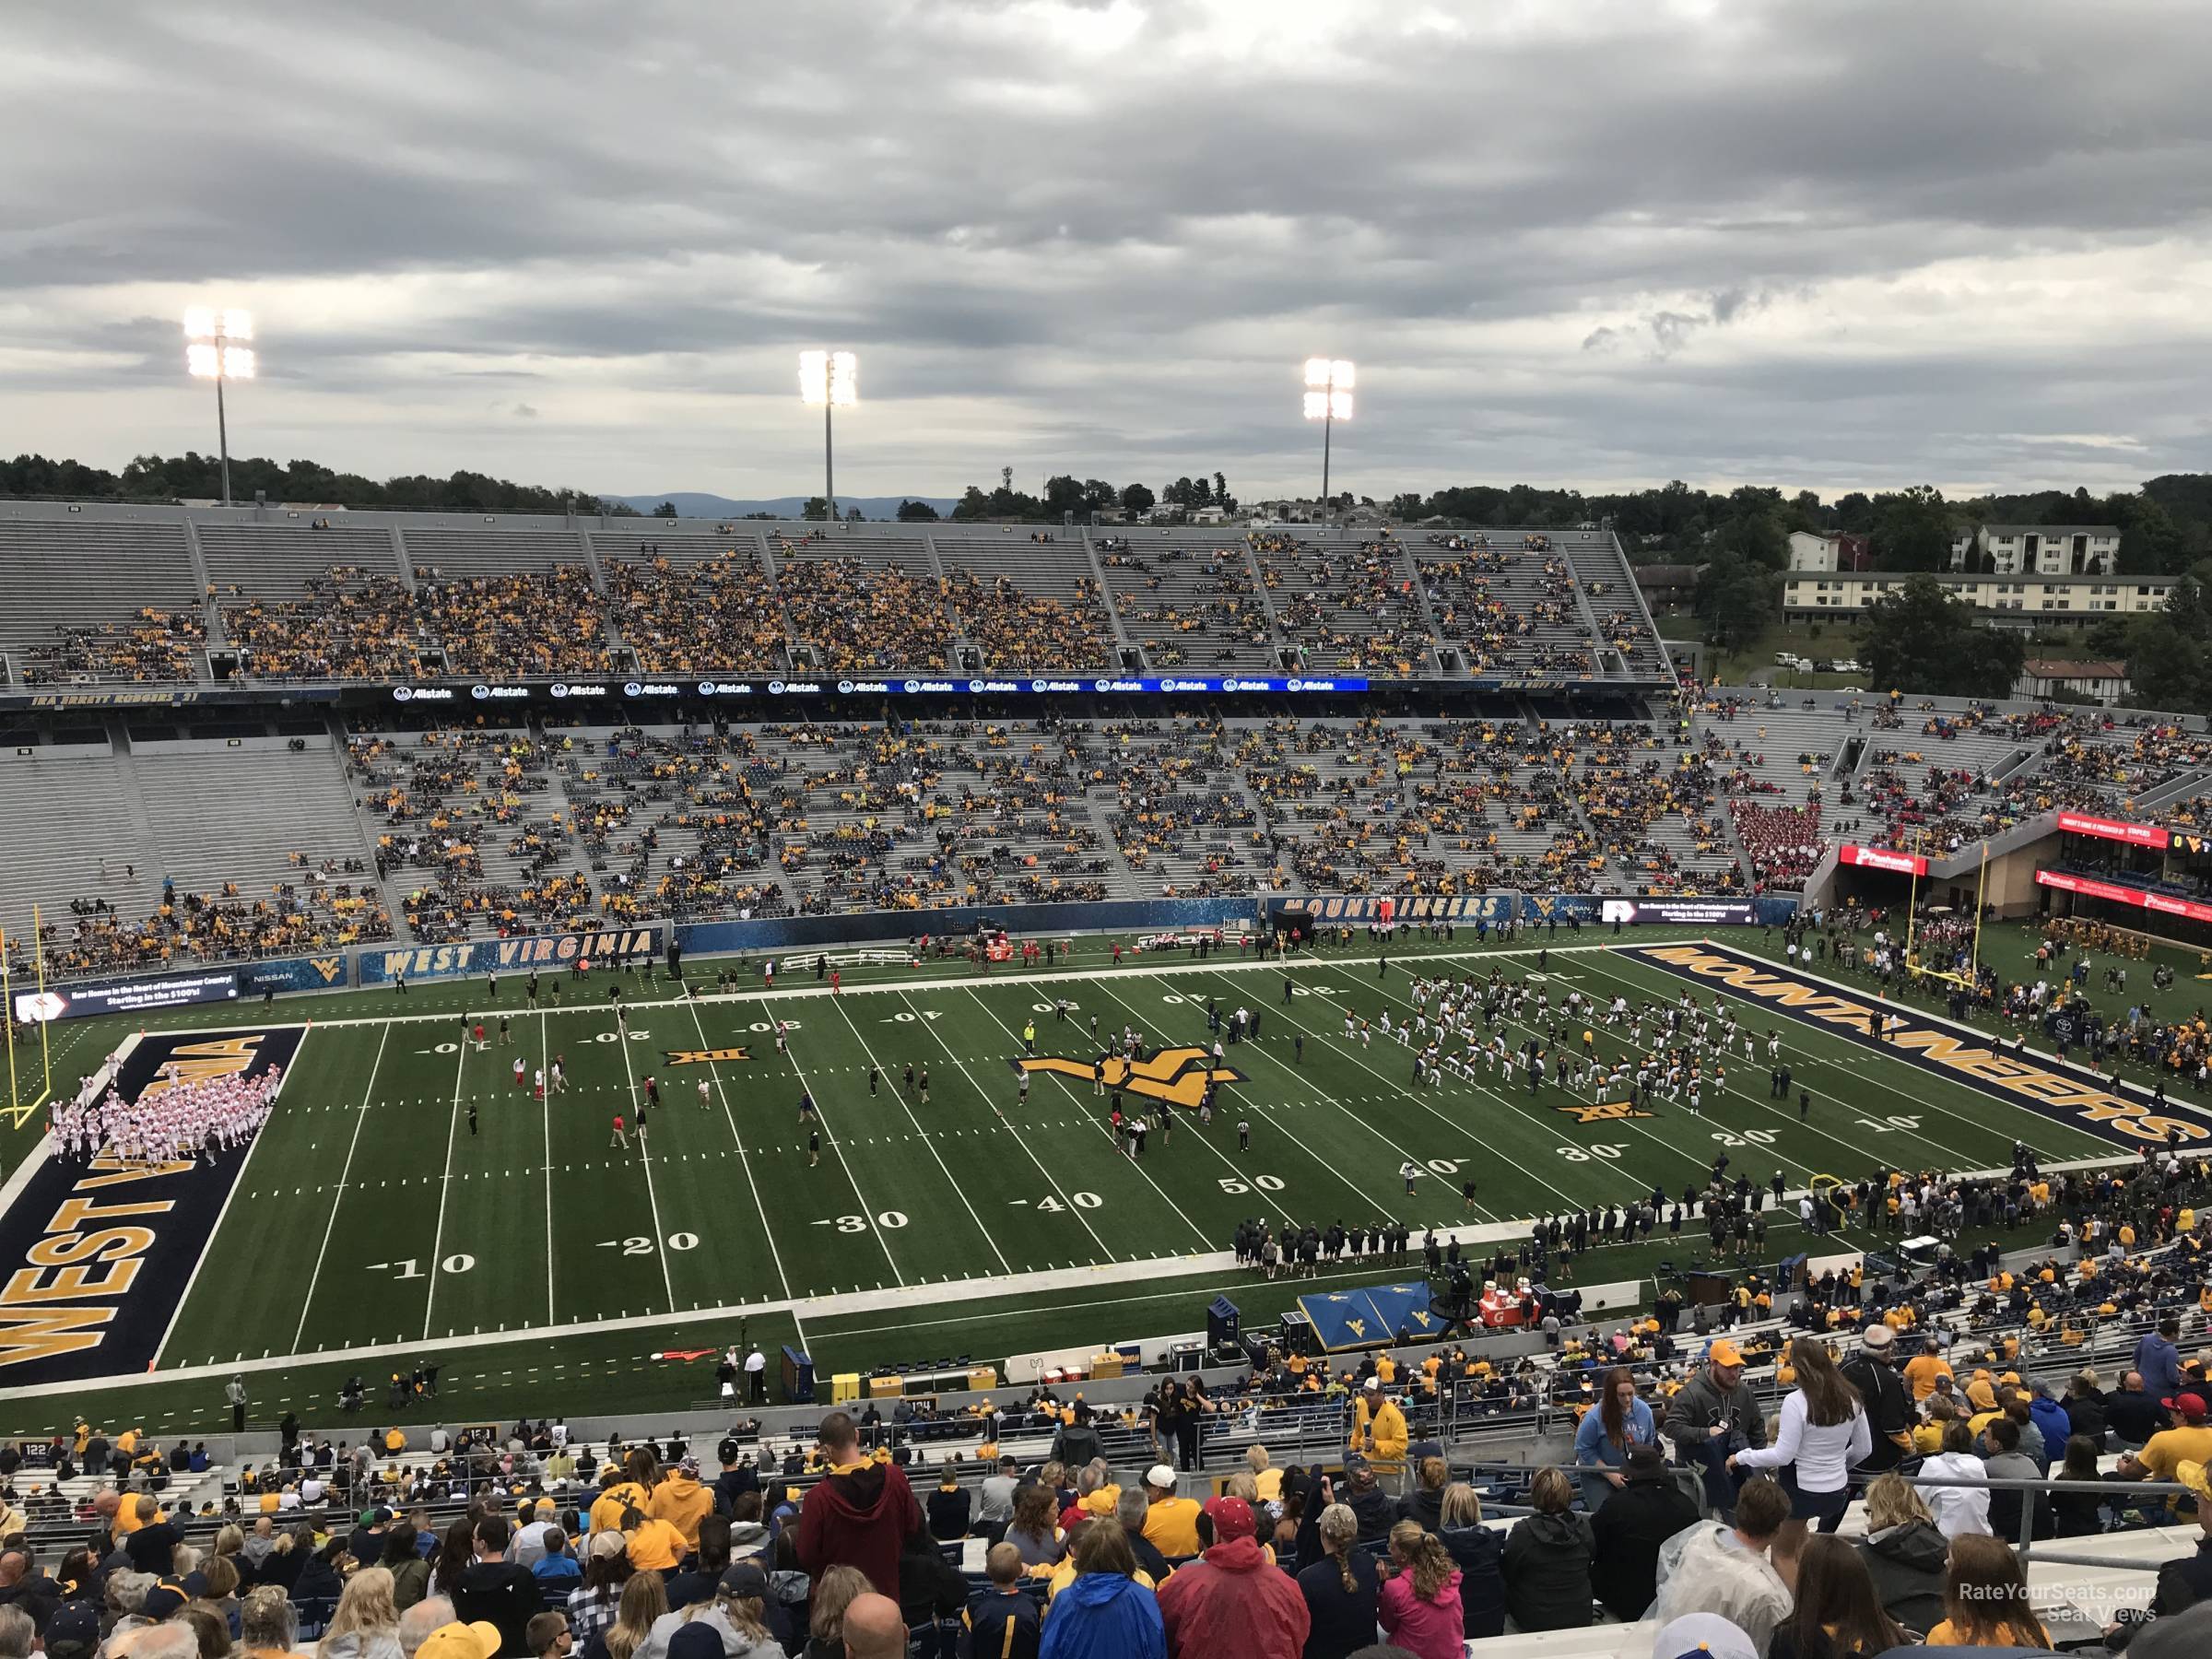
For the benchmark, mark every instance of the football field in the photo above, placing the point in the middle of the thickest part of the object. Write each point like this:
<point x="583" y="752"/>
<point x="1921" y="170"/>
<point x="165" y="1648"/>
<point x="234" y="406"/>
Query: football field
<point x="409" y="1199"/>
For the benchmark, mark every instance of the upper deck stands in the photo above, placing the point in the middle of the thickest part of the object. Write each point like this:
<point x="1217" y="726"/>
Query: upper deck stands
<point x="1023" y="603"/>
<point x="1189" y="603"/>
<point x="1348" y="609"/>
<point x="99" y="599"/>
<point x="709" y="609"/>
<point x="865" y="603"/>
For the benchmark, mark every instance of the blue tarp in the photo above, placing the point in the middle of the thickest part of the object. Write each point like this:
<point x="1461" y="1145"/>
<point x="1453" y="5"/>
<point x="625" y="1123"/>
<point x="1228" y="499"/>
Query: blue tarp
<point x="1369" y="1315"/>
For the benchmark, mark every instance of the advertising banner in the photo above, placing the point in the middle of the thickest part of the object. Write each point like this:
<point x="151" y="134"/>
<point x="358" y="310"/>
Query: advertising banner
<point x="2104" y="828"/>
<point x="1882" y="858"/>
<point x="127" y="996"/>
<point x="1678" y="912"/>
<point x="2165" y="904"/>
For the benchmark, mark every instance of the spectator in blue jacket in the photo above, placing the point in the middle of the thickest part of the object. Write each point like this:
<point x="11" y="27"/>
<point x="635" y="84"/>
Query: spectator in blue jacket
<point x="2051" y="1418"/>
<point x="1105" y="1614"/>
<point x="1616" y="1422"/>
<point x="2160" y="1360"/>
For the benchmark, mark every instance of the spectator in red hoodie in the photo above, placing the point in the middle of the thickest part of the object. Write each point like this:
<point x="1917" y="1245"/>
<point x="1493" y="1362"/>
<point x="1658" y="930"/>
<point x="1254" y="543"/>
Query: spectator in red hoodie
<point x="859" y="1514"/>
<point x="1233" y="1599"/>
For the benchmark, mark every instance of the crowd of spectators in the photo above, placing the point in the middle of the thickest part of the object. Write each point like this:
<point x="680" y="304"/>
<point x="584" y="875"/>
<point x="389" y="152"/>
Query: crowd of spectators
<point x="155" y="644"/>
<point x="1185" y="614"/>
<point x="293" y="918"/>
<point x="1784" y="843"/>
<point x="869" y="619"/>
<point x="717" y="616"/>
<point x="349" y="624"/>
<point x="1014" y="629"/>
<point x="1346" y="610"/>
<point x="538" y="622"/>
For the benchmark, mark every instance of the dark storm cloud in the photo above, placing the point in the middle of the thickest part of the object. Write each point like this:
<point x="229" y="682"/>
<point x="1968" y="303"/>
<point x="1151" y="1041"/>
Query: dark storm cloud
<point x="1590" y="244"/>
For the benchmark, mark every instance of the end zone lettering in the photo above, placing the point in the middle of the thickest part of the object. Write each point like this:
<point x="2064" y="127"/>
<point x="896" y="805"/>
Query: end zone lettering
<point x="95" y="1255"/>
<point x="1952" y="1051"/>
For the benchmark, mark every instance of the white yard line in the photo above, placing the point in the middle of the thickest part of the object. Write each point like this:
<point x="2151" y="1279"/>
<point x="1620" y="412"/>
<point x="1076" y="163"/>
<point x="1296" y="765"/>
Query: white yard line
<point x="744" y="1163"/>
<point x="959" y="1190"/>
<point x="215" y="1232"/>
<point x="1697" y="1158"/>
<point x="544" y="1100"/>
<point x="445" y="1184"/>
<point x="353" y="1142"/>
<point x="1386" y="1206"/>
<point x="1201" y="1233"/>
<point x="867" y="1211"/>
<point x="1750" y="1005"/>
<point x="659" y="1239"/>
<point x="1468" y="1131"/>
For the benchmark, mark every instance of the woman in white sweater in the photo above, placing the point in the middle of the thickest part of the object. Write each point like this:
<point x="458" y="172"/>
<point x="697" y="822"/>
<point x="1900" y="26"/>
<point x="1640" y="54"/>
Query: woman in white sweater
<point x="1822" y="1434"/>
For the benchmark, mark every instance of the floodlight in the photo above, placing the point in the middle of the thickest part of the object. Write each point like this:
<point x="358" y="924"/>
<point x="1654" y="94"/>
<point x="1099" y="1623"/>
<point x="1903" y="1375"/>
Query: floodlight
<point x="829" y="381"/>
<point x="213" y="352"/>
<point x="1328" y="400"/>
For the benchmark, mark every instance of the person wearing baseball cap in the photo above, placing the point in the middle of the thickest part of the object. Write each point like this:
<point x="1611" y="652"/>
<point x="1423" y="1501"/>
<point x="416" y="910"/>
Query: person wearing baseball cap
<point x="163" y="1601"/>
<point x="1702" y="1636"/>
<point x="2182" y="1583"/>
<point x="476" y="1639"/>
<point x="1713" y="1415"/>
<point x="2189" y="1440"/>
<point x="73" y="1632"/>
<point x="1171" y="1522"/>
<point x="1873" y="1371"/>
<point x="1233" y="1599"/>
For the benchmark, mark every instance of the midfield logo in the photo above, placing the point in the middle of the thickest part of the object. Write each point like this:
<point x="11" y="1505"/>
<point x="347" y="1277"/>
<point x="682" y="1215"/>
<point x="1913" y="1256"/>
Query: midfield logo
<point x="1177" y="1076"/>
<point x="703" y="1056"/>
<point x="1601" y="1111"/>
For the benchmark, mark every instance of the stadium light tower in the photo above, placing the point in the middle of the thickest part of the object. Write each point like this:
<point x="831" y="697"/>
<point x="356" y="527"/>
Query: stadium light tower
<point x="1328" y="400"/>
<point x="214" y="349"/>
<point x="832" y="380"/>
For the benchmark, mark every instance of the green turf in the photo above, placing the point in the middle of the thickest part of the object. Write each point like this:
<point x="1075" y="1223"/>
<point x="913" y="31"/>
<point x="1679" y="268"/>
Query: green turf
<point x="369" y="1214"/>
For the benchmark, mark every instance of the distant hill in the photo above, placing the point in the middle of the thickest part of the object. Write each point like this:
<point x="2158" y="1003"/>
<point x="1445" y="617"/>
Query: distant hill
<point x="693" y="504"/>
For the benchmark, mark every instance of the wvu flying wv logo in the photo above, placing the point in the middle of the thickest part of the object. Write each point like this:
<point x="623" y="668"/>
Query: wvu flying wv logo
<point x="1174" y="1075"/>
<point x="327" y="967"/>
<point x="703" y="1056"/>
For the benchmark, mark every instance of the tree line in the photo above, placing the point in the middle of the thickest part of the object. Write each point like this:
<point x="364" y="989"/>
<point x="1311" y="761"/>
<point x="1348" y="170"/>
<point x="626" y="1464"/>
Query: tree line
<point x="195" y="476"/>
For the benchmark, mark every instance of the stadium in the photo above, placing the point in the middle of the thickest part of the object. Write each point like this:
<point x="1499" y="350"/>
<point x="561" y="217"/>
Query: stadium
<point x="520" y="967"/>
<point x="1539" y="992"/>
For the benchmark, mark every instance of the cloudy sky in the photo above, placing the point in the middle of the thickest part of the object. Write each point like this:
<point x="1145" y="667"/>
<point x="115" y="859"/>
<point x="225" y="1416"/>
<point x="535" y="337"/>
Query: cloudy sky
<point x="1568" y="241"/>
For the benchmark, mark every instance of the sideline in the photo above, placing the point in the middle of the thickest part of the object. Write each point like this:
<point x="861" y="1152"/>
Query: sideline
<point x="837" y="1305"/>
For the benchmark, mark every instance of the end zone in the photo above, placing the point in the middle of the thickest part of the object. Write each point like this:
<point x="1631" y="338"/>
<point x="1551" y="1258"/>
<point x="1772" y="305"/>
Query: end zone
<point x="98" y="1255"/>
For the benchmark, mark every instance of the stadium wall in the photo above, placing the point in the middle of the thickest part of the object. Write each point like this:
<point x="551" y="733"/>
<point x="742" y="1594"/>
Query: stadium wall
<point x="1580" y="910"/>
<point x="382" y="964"/>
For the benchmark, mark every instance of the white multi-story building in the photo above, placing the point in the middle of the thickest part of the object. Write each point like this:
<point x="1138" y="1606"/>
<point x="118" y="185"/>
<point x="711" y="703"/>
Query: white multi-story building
<point x="2038" y="549"/>
<point x="2016" y="600"/>
<point x="1812" y="550"/>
